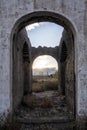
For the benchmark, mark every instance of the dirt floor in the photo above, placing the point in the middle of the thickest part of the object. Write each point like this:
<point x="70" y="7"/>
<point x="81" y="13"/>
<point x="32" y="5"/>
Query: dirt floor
<point x="41" y="108"/>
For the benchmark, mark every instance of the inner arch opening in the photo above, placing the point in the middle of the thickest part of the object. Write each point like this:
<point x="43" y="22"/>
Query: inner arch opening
<point x="45" y="74"/>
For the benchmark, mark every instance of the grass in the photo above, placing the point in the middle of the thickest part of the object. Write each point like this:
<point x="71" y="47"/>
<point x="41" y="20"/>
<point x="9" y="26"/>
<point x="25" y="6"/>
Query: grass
<point x="51" y="85"/>
<point x="37" y="87"/>
<point x="40" y="86"/>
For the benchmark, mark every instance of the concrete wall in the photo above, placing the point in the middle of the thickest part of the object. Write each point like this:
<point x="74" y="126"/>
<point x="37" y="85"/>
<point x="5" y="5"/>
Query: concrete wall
<point x="72" y="14"/>
<point x="67" y="69"/>
<point x="70" y="76"/>
<point x="20" y="77"/>
<point x="52" y="51"/>
<point x="18" y="74"/>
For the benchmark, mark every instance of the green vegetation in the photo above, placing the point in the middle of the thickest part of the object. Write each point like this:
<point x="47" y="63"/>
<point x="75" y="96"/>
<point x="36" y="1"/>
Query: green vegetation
<point x="51" y="85"/>
<point x="44" y="84"/>
<point x="55" y="75"/>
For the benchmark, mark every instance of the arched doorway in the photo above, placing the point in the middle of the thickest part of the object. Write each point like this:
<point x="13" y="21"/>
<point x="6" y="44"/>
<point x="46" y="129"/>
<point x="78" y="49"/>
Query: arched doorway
<point x="58" y="19"/>
<point x="45" y="73"/>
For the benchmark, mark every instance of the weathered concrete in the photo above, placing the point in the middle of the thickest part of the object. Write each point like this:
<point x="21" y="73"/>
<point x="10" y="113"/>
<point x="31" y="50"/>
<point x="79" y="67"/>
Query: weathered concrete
<point x="70" y="14"/>
<point x="21" y="64"/>
<point x="67" y="71"/>
<point x="52" y="51"/>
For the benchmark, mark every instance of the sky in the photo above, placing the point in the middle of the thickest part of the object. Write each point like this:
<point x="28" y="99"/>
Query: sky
<point x="44" y="34"/>
<point x="45" y="61"/>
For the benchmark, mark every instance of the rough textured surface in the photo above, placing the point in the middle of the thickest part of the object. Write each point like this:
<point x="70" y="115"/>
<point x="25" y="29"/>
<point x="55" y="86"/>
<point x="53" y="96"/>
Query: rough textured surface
<point x="20" y="66"/>
<point x="51" y="107"/>
<point x="52" y="51"/>
<point x="67" y="77"/>
<point x="75" y="17"/>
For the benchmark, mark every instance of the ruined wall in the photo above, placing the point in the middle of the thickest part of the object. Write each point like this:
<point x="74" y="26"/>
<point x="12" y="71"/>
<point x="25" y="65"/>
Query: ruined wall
<point x="70" y="71"/>
<point x="67" y="71"/>
<point x="19" y="72"/>
<point x="52" y="51"/>
<point x="72" y="14"/>
<point x="27" y="68"/>
<point x="70" y="82"/>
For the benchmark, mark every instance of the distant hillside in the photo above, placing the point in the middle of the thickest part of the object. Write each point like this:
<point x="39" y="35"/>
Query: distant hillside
<point x="44" y="71"/>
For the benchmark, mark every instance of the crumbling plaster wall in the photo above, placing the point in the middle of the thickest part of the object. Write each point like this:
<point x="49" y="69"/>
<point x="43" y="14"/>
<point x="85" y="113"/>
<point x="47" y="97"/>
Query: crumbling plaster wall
<point x="18" y="81"/>
<point x="67" y="69"/>
<point x="52" y="51"/>
<point x="18" y="74"/>
<point x="76" y="12"/>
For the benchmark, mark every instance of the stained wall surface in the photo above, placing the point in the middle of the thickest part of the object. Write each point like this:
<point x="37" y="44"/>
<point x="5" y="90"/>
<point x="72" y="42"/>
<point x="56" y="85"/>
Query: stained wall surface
<point x="73" y="13"/>
<point x="20" y="78"/>
<point x="52" y="51"/>
<point x="67" y="71"/>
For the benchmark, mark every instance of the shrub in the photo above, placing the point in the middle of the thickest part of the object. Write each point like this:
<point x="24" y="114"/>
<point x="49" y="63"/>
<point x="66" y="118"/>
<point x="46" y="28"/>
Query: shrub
<point x="41" y="86"/>
<point x="51" y="85"/>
